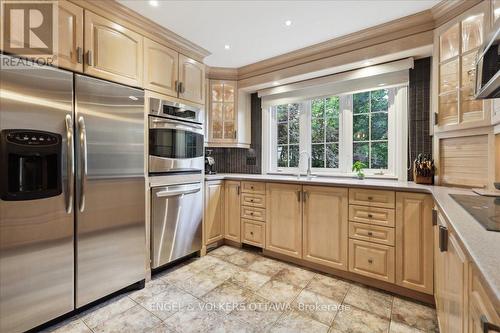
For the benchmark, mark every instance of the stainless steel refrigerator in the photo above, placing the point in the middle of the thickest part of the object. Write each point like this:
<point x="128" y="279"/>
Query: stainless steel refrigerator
<point x="72" y="192"/>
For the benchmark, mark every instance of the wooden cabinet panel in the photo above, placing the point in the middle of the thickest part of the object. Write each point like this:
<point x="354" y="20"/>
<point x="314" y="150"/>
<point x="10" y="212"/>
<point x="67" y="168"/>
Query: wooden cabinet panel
<point x="372" y="198"/>
<point x="253" y="232"/>
<point x="70" y="40"/>
<point x="455" y="306"/>
<point x="253" y="213"/>
<point x="325" y="226"/>
<point x="112" y="51"/>
<point x="214" y="212"/>
<point x="414" y="239"/>
<point x="372" y="260"/>
<point x="232" y="210"/>
<point x="161" y="68"/>
<point x="480" y="305"/>
<point x="439" y="278"/>
<point x="253" y="187"/>
<point x="372" y="233"/>
<point x="284" y="219"/>
<point x="192" y="79"/>
<point x="372" y="215"/>
<point x="254" y="200"/>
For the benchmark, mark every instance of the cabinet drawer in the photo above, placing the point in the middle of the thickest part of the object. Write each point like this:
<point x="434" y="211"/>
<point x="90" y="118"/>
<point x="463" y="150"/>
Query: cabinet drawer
<point x="371" y="233"/>
<point x="253" y="213"/>
<point x="254" y="200"/>
<point x="253" y="232"/>
<point x="253" y="187"/>
<point x="372" y="260"/>
<point x="372" y="198"/>
<point x="372" y="215"/>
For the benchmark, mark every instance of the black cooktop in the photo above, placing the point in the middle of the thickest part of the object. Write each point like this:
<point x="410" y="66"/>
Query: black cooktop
<point x="486" y="210"/>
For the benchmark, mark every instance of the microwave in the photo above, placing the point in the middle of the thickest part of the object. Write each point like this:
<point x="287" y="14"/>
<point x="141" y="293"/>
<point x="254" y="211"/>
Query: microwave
<point x="488" y="68"/>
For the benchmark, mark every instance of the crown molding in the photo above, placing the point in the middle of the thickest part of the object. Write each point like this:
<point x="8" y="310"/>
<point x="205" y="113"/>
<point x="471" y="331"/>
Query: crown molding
<point x="125" y="16"/>
<point x="221" y="73"/>
<point x="446" y="10"/>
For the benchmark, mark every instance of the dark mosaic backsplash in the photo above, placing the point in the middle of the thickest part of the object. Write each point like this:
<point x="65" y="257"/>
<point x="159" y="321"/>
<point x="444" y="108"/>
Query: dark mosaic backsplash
<point x="240" y="160"/>
<point x="419" y="138"/>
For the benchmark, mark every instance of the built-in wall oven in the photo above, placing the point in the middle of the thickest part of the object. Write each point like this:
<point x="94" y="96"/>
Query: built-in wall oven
<point x="175" y="137"/>
<point x="176" y="166"/>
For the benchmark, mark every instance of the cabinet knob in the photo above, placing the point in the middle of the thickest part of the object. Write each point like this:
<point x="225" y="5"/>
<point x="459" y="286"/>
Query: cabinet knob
<point x="251" y="213"/>
<point x="370" y="233"/>
<point x="251" y="187"/>
<point x="370" y="261"/>
<point x="370" y="198"/>
<point x="370" y="216"/>
<point x="251" y="200"/>
<point x="251" y="233"/>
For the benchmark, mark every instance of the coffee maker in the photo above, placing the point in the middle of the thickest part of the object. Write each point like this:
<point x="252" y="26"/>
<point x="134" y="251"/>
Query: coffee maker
<point x="209" y="164"/>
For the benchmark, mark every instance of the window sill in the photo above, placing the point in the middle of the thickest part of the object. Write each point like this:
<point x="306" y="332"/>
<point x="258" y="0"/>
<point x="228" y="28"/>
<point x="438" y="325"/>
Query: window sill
<point x="333" y="175"/>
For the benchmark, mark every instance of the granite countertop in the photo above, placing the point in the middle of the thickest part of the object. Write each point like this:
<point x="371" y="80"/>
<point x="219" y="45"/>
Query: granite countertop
<point x="483" y="246"/>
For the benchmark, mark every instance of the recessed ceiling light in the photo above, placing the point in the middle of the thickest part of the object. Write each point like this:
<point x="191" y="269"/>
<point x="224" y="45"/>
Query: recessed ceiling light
<point x="227" y="46"/>
<point x="276" y="83"/>
<point x="381" y="84"/>
<point x="133" y="98"/>
<point x="288" y="23"/>
<point x="154" y="3"/>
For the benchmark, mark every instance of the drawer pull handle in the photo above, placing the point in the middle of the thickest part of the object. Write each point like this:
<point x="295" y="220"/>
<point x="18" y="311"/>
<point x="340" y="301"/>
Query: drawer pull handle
<point x="251" y="200"/>
<point x="251" y="213"/>
<point x="370" y="233"/>
<point x="251" y="233"/>
<point x="370" y="216"/>
<point x="370" y="198"/>
<point x="487" y="326"/>
<point x="251" y="187"/>
<point x="370" y="261"/>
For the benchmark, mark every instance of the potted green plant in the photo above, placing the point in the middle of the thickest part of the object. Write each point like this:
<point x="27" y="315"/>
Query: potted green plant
<point x="358" y="167"/>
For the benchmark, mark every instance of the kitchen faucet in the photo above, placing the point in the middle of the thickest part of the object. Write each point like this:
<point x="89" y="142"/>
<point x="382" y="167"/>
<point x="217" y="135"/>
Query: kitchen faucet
<point x="308" y="163"/>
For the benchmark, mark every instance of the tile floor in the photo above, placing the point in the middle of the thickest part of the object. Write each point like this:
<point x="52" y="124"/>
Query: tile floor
<point x="235" y="290"/>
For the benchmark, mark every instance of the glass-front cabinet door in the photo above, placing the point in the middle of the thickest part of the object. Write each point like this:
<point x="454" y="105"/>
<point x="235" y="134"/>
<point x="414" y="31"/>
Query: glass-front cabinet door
<point x="222" y="113"/>
<point x="458" y="44"/>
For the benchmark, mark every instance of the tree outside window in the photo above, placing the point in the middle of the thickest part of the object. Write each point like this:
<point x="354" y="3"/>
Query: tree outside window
<point x="287" y="123"/>
<point x="325" y="132"/>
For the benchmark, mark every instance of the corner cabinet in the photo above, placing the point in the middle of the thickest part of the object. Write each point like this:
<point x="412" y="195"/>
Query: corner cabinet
<point x="112" y="51"/>
<point x="414" y="239"/>
<point x="232" y="193"/>
<point x="284" y="219"/>
<point x="325" y="225"/>
<point x="456" y="47"/>
<point x="228" y="115"/>
<point x="214" y="211"/>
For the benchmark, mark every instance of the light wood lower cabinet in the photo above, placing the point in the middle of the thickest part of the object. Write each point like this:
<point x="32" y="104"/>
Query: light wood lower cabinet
<point x="284" y="219"/>
<point x="161" y="68"/>
<point x="214" y="212"/>
<point x="70" y="55"/>
<point x="253" y="232"/>
<point x="232" y="190"/>
<point x="482" y="311"/>
<point x="325" y="225"/>
<point x="112" y="51"/>
<point x="372" y="260"/>
<point x="414" y="239"/>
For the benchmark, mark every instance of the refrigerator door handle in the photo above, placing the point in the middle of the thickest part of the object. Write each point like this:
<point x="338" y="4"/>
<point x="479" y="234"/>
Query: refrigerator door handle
<point x="70" y="166"/>
<point x="83" y="162"/>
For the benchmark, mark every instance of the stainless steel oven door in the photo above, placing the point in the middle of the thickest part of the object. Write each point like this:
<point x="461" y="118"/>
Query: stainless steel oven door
<point x="175" y="146"/>
<point x="176" y="215"/>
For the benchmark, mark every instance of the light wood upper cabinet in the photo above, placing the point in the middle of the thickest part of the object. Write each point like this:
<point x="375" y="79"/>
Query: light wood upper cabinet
<point x="232" y="194"/>
<point x="191" y="79"/>
<point x="284" y="219"/>
<point x="112" y="51"/>
<point x="214" y="212"/>
<point x="222" y="116"/>
<point x="325" y="226"/>
<point x="161" y="68"/>
<point x="456" y="47"/>
<point x="414" y="239"/>
<point x="70" y="25"/>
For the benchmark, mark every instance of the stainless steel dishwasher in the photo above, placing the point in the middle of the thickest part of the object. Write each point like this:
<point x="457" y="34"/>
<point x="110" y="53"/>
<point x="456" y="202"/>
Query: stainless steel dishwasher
<point x="176" y="215"/>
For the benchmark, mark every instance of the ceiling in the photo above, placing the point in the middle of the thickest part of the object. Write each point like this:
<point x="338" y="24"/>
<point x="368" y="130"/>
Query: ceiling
<point x="256" y="30"/>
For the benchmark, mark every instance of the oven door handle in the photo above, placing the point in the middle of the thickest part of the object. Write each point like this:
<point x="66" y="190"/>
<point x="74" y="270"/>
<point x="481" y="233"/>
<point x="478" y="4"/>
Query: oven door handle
<point x="157" y="121"/>
<point x="167" y="193"/>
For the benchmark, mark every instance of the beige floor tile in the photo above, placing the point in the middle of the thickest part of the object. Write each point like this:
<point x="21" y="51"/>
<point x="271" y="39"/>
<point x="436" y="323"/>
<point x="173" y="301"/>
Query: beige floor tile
<point x="74" y="326"/>
<point x="258" y="312"/>
<point x="201" y="283"/>
<point x="294" y="275"/>
<point x="402" y="328"/>
<point x="279" y="292"/>
<point x="227" y="296"/>
<point x="415" y="315"/>
<point x="329" y="287"/>
<point x="153" y="287"/>
<point x="249" y="279"/>
<point x="316" y="306"/>
<point x="168" y="302"/>
<point x="266" y="266"/>
<point x="295" y="322"/>
<point x="224" y="270"/>
<point x="162" y="328"/>
<point x="178" y="275"/>
<point x="136" y="319"/>
<point x="107" y="310"/>
<point x="353" y="320"/>
<point x="242" y="259"/>
<point x="223" y="251"/>
<point x="370" y="300"/>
